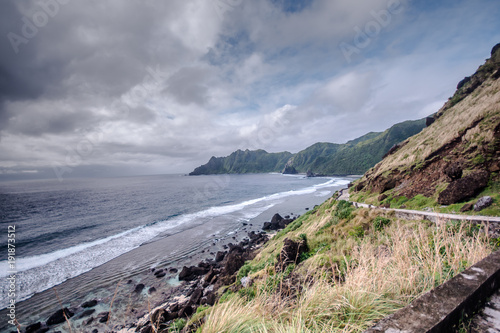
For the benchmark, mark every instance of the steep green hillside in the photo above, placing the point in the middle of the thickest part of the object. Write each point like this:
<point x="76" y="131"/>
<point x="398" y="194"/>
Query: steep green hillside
<point x="353" y="157"/>
<point x="356" y="156"/>
<point x="244" y="162"/>
<point x="451" y="163"/>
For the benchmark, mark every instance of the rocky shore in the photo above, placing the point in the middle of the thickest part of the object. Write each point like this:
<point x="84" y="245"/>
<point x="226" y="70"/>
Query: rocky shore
<point x="199" y="285"/>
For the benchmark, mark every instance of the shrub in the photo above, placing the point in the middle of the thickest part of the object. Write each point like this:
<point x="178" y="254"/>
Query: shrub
<point x="380" y="222"/>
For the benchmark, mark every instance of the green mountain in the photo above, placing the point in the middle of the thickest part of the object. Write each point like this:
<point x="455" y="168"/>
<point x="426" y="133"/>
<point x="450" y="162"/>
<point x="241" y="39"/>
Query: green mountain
<point x="355" y="156"/>
<point x="257" y="161"/>
<point x="322" y="158"/>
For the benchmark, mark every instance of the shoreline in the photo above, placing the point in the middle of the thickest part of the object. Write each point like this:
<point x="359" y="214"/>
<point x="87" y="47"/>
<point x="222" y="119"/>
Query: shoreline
<point x="165" y="287"/>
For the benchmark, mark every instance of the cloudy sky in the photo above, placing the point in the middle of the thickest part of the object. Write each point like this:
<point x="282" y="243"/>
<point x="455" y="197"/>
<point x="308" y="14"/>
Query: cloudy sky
<point x="108" y="87"/>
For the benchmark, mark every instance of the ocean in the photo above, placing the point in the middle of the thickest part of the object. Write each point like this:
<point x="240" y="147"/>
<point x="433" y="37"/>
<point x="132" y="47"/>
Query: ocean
<point x="83" y="239"/>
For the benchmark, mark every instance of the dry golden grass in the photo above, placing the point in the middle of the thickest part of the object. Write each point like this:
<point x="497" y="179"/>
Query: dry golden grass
<point x="384" y="272"/>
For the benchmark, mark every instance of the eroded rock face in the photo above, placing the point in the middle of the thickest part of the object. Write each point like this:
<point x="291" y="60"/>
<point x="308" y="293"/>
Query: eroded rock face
<point x="453" y="171"/>
<point x="464" y="188"/>
<point x="290" y="254"/>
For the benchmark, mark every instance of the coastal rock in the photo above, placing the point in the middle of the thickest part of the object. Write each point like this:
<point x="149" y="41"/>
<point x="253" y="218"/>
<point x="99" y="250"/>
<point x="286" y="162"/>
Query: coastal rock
<point x="86" y="313"/>
<point x="89" y="321"/>
<point x="147" y="329"/>
<point x="209" y="299"/>
<point x="234" y="261"/>
<point x="158" y="316"/>
<point x="138" y="288"/>
<point x="220" y="256"/>
<point x="467" y="207"/>
<point x="464" y="188"/>
<point x="289" y="170"/>
<point x="290" y="253"/>
<point x="89" y="304"/>
<point x="160" y="275"/>
<point x="59" y="316"/>
<point x="103" y="317"/>
<point x="191" y="273"/>
<point x="276" y="219"/>
<point x="33" y="327"/>
<point x="277" y="222"/>
<point x="483" y="203"/>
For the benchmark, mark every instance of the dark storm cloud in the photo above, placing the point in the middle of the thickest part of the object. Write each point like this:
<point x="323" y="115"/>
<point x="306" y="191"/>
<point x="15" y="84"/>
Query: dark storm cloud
<point x="92" y="49"/>
<point x="167" y="84"/>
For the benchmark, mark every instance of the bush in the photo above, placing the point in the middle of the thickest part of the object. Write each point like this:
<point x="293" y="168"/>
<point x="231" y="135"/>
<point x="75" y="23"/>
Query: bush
<point x="344" y="209"/>
<point x="380" y="222"/>
<point x="177" y="325"/>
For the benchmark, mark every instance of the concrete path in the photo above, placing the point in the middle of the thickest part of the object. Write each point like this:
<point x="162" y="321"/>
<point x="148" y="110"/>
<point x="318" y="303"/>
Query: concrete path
<point x="492" y="221"/>
<point x="488" y="319"/>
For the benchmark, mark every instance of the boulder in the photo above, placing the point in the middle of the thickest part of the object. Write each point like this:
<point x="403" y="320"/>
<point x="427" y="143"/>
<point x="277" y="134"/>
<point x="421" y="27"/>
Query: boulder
<point x="33" y="327"/>
<point x="138" y="288"/>
<point x="453" y="171"/>
<point x="103" y="317"/>
<point x="158" y="316"/>
<point x="219" y="256"/>
<point x="86" y="313"/>
<point x="209" y="299"/>
<point x="464" y="188"/>
<point x="234" y="261"/>
<point x="173" y="270"/>
<point x="191" y="273"/>
<point x="467" y="207"/>
<point x="151" y="290"/>
<point x="276" y="218"/>
<point x="382" y="197"/>
<point x="290" y="253"/>
<point x="483" y="203"/>
<point x="58" y="316"/>
<point x="89" y="304"/>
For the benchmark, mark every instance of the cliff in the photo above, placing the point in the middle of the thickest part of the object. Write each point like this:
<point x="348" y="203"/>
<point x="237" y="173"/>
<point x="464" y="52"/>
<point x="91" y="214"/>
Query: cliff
<point x="454" y="160"/>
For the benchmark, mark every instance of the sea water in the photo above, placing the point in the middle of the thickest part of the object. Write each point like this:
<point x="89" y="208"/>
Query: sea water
<point x="82" y="237"/>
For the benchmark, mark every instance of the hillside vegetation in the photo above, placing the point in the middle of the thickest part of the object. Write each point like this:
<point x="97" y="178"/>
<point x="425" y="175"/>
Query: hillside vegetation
<point x="453" y="161"/>
<point x="356" y="156"/>
<point x="355" y="267"/>
<point x="323" y="158"/>
<point x="257" y="161"/>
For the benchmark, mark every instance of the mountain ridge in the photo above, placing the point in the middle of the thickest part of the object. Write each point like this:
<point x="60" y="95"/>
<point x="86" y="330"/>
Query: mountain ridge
<point x="322" y="158"/>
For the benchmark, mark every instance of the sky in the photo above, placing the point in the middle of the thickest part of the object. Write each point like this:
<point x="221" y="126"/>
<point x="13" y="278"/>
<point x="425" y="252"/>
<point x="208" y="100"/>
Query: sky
<point x="112" y="88"/>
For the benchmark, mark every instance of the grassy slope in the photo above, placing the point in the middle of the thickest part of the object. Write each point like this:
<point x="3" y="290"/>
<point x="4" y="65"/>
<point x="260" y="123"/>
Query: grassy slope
<point x="361" y="266"/>
<point x="483" y="103"/>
